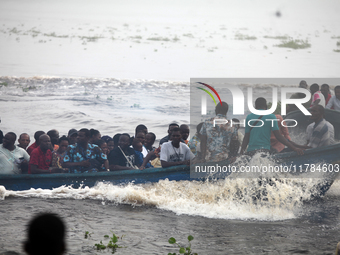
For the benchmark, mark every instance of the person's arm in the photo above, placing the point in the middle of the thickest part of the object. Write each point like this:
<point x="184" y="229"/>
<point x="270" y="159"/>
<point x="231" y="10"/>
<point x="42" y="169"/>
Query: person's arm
<point x="282" y="140"/>
<point x="330" y="103"/>
<point x="147" y="159"/>
<point x="245" y="143"/>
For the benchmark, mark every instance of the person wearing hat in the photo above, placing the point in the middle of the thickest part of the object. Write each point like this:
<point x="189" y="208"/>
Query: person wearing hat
<point x="72" y="136"/>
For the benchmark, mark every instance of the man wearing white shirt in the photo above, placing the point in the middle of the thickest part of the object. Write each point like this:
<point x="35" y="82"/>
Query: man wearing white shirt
<point x="334" y="102"/>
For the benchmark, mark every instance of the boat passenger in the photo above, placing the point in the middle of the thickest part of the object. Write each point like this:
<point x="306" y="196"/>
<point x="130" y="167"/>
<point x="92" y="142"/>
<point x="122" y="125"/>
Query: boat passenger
<point x="110" y="145"/>
<point x="12" y="157"/>
<point x="141" y="128"/>
<point x="167" y="138"/>
<point x="140" y="136"/>
<point x="185" y="132"/>
<point x="149" y="141"/>
<point x="83" y="156"/>
<point x="36" y="143"/>
<point x="292" y="107"/>
<point x="59" y="154"/>
<point x="45" y="235"/>
<point x="319" y="133"/>
<point x="275" y="145"/>
<point x="216" y="135"/>
<point x="317" y="96"/>
<point x="258" y="136"/>
<point x="195" y="142"/>
<point x="123" y="157"/>
<point x="72" y="136"/>
<point x="54" y="136"/>
<point x="138" y="147"/>
<point x="102" y="145"/>
<point x="116" y="140"/>
<point x="41" y="158"/>
<point x="24" y="140"/>
<point x="95" y="136"/>
<point x="326" y="92"/>
<point x="334" y="102"/>
<point x="175" y="152"/>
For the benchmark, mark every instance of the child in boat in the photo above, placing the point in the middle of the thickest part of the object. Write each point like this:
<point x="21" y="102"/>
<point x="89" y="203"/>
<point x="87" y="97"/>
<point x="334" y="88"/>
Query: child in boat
<point x="138" y="147"/>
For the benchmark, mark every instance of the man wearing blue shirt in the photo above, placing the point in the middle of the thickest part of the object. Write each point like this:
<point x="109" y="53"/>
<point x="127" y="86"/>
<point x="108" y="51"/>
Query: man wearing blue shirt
<point x="258" y="130"/>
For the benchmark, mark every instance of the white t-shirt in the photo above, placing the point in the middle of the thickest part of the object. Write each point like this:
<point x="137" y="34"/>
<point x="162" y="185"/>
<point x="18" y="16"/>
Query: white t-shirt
<point x="8" y="160"/>
<point x="333" y="102"/>
<point x="169" y="153"/>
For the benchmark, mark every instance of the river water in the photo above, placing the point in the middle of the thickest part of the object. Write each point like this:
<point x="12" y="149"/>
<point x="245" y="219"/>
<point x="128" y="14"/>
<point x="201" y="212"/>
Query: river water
<point x="114" y="65"/>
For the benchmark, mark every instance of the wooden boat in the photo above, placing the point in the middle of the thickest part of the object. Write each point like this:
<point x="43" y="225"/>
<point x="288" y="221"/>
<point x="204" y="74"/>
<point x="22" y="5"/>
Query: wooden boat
<point x="331" y="116"/>
<point x="327" y="155"/>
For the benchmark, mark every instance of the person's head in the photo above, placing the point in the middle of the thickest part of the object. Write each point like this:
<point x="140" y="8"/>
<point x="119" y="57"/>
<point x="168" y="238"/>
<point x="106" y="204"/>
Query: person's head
<point x="317" y="112"/>
<point x="94" y="135"/>
<point x="236" y="121"/>
<point x="137" y="145"/>
<point x="325" y="90"/>
<point x="110" y="145"/>
<point x="141" y="128"/>
<point x="303" y="84"/>
<point x="102" y="144"/>
<point x="337" y="92"/>
<point x="184" y="131"/>
<point x="261" y="103"/>
<point x="124" y="141"/>
<point x="149" y="139"/>
<point x="116" y="139"/>
<point x="314" y="88"/>
<point x="72" y="136"/>
<point x="45" y="235"/>
<point x="171" y="127"/>
<point x="37" y="135"/>
<point x="176" y="136"/>
<point x="24" y="140"/>
<point x="83" y="137"/>
<point x="54" y="136"/>
<point x="63" y="144"/>
<point x="44" y="142"/>
<point x="9" y="140"/>
<point x="141" y="137"/>
<point x="222" y="108"/>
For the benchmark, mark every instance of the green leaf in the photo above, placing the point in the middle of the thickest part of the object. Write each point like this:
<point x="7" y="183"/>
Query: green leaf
<point x="114" y="238"/>
<point x="190" y="238"/>
<point x="172" y="240"/>
<point x="182" y="250"/>
<point x="106" y="236"/>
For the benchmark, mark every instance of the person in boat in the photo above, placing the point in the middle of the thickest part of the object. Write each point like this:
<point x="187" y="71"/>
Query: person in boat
<point x="59" y="154"/>
<point x="326" y="92"/>
<point x="317" y="96"/>
<point x="45" y="235"/>
<point x="41" y="158"/>
<point x="123" y="157"/>
<point x="116" y="140"/>
<point x="275" y="145"/>
<point x="36" y="143"/>
<point x="84" y="157"/>
<point x="138" y="147"/>
<point x="12" y="157"/>
<point x="140" y="128"/>
<point x="292" y="107"/>
<point x="319" y="133"/>
<point x="72" y="136"/>
<point x="334" y="102"/>
<point x="257" y="136"/>
<point x="54" y="136"/>
<point x="185" y="132"/>
<point x="109" y="144"/>
<point x="95" y="135"/>
<point x="150" y="139"/>
<point x="140" y="136"/>
<point x="167" y="138"/>
<point x="195" y="142"/>
<point x="216" y="135"/>
<point x="175" y="152"/>
<point x="24" y="140"/>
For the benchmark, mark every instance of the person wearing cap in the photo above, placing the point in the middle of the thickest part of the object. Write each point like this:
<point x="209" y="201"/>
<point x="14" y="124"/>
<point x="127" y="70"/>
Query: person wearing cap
<point x="72" y="136"/>
<point x="292" y="107"/>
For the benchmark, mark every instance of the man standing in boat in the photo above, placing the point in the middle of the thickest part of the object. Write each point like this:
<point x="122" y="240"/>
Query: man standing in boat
<point x="216" y="135"/>
<point x="258" y="130"/>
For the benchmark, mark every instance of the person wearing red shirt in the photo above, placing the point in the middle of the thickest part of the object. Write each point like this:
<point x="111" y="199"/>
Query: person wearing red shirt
<point x="36" y="143"/>
<point x="41" y="158"/>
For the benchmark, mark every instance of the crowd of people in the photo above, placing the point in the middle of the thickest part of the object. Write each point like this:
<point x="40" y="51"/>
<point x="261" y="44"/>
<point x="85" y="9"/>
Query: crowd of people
<point x="85" y="150"/>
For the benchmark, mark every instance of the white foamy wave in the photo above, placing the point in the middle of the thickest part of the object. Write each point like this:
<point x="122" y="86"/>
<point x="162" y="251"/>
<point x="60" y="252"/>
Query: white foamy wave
<point x="241" y="198"/>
